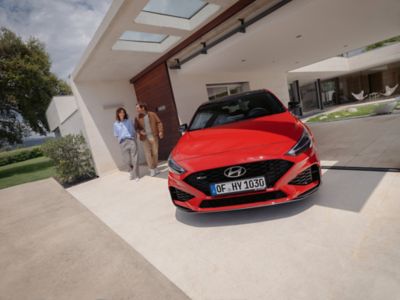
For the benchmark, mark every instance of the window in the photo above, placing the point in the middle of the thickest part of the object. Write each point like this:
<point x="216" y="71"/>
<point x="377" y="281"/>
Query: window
<point x="144" y="42"/>
<point x="175" y="8"/>
<point x="181" y="14"/>
<point x="237" y="109"/>
<point x="217" y="91"/>
<point x="136" y="36"/>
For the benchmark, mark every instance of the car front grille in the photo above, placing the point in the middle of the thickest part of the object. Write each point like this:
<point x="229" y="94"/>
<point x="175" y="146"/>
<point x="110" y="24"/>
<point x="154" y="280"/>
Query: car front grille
<point x="177" y="194"/>
<point x="230" y="201"/>
<point x="307" y="176"/>
<point x="273" y="170"/>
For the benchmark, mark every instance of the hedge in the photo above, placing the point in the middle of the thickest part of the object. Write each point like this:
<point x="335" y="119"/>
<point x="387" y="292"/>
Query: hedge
<point x="13" y="156"/>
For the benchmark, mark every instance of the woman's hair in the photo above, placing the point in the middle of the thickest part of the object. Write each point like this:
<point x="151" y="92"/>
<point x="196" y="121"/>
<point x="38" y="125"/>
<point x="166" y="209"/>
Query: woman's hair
<point x="119" y="109"/>
<point x="142" y="105"/>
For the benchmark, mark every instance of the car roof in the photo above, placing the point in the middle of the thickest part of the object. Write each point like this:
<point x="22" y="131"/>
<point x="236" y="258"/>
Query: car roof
<point x="233" y="97"/>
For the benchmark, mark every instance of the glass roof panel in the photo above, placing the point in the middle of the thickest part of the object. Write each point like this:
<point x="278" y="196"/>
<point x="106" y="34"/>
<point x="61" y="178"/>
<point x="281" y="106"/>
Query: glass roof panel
<point x="136" y="36"/>
<point x="175" y="8"/>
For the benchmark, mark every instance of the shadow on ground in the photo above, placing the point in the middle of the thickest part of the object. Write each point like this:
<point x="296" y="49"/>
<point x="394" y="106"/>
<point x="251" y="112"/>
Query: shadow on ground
<point x="345" y="190"/>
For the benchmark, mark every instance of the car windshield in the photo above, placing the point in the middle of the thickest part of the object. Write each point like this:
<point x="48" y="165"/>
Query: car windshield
<point x="237" y="109"/>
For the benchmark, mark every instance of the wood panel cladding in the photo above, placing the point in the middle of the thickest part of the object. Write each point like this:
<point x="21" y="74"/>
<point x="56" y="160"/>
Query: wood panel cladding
<point x="154" y="89"/>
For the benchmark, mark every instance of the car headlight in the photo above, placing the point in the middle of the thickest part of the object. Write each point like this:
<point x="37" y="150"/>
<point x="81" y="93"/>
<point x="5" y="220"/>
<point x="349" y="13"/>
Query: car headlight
<point x="174" y="167"/>
<point x="305" y="142"/>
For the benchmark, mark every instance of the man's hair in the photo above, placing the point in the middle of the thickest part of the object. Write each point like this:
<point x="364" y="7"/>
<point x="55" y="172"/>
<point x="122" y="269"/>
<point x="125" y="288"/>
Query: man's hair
<point x="119" y="109"/>
<point x="142" y="105"/>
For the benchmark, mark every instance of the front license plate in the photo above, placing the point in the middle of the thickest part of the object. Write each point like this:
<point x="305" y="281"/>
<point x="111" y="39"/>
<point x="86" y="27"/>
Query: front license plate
<point x="250" y="184"/>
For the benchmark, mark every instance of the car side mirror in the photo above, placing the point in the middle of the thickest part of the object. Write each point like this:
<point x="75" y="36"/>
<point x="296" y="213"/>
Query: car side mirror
<point x="183" y="128"/>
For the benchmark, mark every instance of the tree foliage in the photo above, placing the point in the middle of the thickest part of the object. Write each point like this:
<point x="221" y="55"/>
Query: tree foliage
<point x="26" y="86"/>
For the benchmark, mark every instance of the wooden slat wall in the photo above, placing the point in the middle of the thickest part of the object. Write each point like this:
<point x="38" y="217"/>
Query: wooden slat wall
<point x="154" y="89"/>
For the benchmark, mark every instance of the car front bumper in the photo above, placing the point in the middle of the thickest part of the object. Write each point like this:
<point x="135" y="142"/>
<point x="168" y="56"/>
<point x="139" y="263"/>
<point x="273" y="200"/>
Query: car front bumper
<point x="295" y="184"/>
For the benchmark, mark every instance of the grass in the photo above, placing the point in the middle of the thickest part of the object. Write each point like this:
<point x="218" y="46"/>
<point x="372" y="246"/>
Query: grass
<point x="26" y="171"/>
<point x="361" y="111"/>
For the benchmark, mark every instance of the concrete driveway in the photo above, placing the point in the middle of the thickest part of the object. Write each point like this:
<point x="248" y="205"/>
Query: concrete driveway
<point x="52" y="247"/>
<point x="341" y="243"/>
<point x="366" y="142"/>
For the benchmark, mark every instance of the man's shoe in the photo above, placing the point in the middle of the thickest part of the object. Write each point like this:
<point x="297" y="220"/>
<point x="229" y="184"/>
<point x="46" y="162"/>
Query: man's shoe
<point x="152" y="172"/>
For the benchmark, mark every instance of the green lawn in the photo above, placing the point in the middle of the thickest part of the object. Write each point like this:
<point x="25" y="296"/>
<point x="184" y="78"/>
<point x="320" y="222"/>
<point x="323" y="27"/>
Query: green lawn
<point x="356" y="111"/>
<point x="26" y="171"/>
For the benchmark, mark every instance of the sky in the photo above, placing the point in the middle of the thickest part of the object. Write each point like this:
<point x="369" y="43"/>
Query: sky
<point x="65" y="26"/>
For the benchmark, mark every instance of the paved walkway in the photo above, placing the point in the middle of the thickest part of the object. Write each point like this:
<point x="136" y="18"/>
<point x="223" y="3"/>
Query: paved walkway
<point x="367" y="142"/>
<point x="342" y="243"/>
<point x="52" y="247"/>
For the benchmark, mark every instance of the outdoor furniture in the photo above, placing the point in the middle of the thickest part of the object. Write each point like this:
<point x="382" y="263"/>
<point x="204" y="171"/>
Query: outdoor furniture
<point x="360" y="96"/>
<point x="373" y="95"/>
<point x="389" y="91"/>
<point x="386" y="108"/>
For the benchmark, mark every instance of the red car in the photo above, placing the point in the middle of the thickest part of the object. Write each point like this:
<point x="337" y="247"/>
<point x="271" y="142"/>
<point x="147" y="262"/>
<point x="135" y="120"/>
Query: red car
<point x="243" y="151"/>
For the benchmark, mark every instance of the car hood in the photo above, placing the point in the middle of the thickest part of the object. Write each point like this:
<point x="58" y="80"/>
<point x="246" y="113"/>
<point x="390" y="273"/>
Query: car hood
<point x="276" y="134"/>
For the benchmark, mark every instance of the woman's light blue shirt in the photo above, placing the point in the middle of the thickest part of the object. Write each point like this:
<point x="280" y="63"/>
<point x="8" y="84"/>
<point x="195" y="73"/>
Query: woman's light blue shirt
<point x="124" y="130"/>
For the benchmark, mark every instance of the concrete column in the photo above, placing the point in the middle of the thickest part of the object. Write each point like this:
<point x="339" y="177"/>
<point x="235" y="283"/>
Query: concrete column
<point x="318" y="91"/>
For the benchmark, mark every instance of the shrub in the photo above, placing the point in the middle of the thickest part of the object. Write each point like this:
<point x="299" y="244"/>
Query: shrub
<point x="72" y="158"/>
<point x="13" y="156"/>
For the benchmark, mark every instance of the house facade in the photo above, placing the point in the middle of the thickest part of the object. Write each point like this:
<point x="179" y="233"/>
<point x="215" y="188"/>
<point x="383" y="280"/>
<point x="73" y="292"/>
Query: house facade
<point x="176" y="56"/>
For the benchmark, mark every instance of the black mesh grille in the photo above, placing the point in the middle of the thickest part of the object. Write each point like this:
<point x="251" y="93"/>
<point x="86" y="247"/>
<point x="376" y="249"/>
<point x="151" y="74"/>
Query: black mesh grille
<point x="271" y="169"/>
<point x="242" y="199"/>
<point x="307" y="176"/>
<point x="177" y="194"/>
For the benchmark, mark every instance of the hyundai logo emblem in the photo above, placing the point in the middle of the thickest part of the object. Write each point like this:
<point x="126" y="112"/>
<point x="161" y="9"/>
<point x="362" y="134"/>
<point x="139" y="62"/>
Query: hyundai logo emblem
<point x="234" y="172"/>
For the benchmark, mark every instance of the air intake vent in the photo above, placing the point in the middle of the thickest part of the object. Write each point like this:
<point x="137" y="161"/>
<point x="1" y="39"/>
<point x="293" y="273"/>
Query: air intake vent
<point x="307" y="176"/>
<point x="177" y="194"/>
<point x="242" y="199"/>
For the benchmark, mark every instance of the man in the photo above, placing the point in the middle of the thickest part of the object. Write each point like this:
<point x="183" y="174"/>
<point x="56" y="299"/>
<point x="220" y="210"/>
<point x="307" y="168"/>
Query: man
<point x="125" y="132"/>
<point x="150" y="131"/>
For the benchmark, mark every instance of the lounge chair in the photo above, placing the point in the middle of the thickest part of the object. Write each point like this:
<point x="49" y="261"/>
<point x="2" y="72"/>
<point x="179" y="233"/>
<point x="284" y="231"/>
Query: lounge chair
<point x="360" y="96"/>
<point x="389" y="91"/>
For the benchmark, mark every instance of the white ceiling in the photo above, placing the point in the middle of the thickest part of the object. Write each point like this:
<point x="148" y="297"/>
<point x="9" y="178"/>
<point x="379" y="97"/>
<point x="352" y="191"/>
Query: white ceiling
<point x="100" y="62"/>
<point x="327" y="28"/>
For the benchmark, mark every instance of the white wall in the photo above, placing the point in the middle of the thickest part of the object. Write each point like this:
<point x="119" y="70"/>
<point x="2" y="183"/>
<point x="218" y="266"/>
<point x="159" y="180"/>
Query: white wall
<point x="339" y="66"/>
<point x="190" y="89"/>
<point x="97" y="102"/>
<point x="60" y="109"/>
<point x="72" y="125"/>
<point x="52" y="116"/>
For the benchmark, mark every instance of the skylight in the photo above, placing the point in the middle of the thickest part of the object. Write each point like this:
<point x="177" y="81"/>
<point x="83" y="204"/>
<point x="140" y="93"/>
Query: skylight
<point x="175" y="8"/>
<point x="144" y="42"/>
<point x="144" y="37"/>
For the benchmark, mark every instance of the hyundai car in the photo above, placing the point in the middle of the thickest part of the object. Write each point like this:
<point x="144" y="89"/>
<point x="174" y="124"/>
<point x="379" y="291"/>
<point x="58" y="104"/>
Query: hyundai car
<point x="242" y="151"/>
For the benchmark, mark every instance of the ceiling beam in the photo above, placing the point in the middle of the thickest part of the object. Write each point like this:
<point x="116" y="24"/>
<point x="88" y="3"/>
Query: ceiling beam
<point x="231" y="11"/>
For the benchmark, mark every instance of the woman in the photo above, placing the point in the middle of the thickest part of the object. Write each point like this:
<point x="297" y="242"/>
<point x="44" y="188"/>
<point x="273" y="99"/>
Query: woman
<point x="125" y="132"/>
<point x="150" y="131"/>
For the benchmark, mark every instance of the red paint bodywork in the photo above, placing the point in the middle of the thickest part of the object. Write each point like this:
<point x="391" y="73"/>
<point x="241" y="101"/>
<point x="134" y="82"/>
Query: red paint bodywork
<point x="258" y="139"/>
